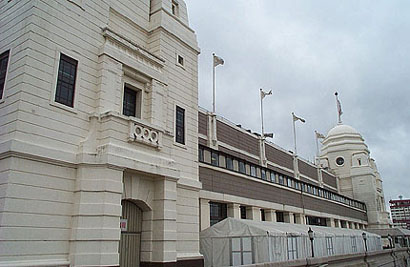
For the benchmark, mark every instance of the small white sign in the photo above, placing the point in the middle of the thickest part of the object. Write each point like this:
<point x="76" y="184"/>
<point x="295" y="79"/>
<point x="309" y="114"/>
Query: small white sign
<point x="123" y="225"/>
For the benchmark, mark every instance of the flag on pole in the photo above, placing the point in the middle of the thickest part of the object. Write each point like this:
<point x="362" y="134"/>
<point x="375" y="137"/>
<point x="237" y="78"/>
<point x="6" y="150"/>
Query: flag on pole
<point x="263" y="94"/>
<point x="296" y="118"/>
<point x="218" y="61"/>
<point x="319" y="135"/>
<point x="339" y="106"/>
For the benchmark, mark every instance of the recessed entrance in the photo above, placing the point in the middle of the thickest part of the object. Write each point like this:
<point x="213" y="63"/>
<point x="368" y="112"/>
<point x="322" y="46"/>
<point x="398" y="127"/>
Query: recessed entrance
<point x="130" y="243"/>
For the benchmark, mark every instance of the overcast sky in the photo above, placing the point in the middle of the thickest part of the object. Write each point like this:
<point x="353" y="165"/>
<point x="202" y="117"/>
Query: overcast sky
<point x="305" y="51"/>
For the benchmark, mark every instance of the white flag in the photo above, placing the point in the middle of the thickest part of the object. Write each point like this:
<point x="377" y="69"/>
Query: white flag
<point x="263" y="94"/>
<point x="339" y="106"/>
<point x="295" y="118"/>
<point x="218" y="61"/>
<point x="319" y="135"/>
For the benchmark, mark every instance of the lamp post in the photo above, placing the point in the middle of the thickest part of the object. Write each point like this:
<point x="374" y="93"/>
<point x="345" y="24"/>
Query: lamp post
<point x="310" y="233"/>
<point x="390" y="240"/>
<point x="365" y="240"/>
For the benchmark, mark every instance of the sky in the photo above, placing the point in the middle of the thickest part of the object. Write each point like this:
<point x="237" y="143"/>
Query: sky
<point x="305" y="51"/>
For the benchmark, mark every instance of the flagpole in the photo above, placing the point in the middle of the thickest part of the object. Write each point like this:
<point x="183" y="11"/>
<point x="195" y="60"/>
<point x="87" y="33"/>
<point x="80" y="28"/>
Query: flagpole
<point x="260" y="95"/>
<point x="294" y="133"/>
<point x="317" y="144"/>
<point x="214" y="90"/>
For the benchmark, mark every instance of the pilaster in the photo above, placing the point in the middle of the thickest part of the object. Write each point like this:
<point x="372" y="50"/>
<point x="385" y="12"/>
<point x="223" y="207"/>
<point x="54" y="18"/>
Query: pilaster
<point x="270" y="215"/>
<point x="205" y="214"/>
<point x="253" y="213"/>
<point x="96" y="215"/>
<point x="234" y="211"/>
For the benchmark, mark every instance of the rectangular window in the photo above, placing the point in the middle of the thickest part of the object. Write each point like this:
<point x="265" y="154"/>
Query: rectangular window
<point x="253" y="171"/>
<point x="281" y="179"/>
<point x="218" y="212"/>
<point x="180" y="125"/>
<point x="354" y="244"/>
<point x="263" y="218"/>
<point x="280" y="217"/>
<point x="214" y="158"/>
<point x="67" y="74"/>
<point x="292" y="248"/>
<point x="4" y="61"/>
<point x="241" y="251"/>
<point x="263" y="174"/>
<point x="201" y="154"/>
<point x="242" y="167"/>
<point x="129" y="104"/>
<point x="229" y="163"/>
<point x="329" y="246"/>
<point x="243" y="212"/>
<point x="175" y="8"/>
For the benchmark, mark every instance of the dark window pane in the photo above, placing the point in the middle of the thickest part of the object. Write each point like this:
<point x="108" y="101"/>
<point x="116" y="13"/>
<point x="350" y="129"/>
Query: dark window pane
<point x="214" y="158"/>
<point x="229" y="163"/>
<point x="130" y="102"/>
<point x="201" y="154"/>
<point x="218" y="212"/>
<point x="4" y="60"/>
<point x="180" y="125"/>
<point x="242" y="168"/>
<point x="67" y="72"/>
<point x="243" y="212"/>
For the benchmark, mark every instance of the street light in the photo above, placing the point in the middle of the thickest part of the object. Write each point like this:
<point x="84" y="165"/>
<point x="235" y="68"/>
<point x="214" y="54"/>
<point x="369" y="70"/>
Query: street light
<point x="390" y="240"/>
<point x="310" y="233"/>
<point x="365" y="240"/>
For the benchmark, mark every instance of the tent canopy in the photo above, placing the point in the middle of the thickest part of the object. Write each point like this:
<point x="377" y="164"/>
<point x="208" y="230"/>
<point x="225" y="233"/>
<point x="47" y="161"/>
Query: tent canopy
<point x="231" y="227"/>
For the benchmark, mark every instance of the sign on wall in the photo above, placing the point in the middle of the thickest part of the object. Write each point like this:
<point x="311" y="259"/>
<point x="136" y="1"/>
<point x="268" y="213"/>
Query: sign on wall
<point x="123" y="225"/>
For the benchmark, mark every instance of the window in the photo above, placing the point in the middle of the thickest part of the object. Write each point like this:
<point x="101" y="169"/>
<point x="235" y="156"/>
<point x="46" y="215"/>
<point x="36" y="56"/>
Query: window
<point x="129" y="104"/>
<point x="175" y="8"/>
<point x="214" y="158"/>
<point x="263" y="218"/>
<point x="280" y="216"/>
<point x="243" y="212"/>
<point x="329" y="246"/>
<point x="242" y="167"/>
<point x="67" y="74"/>
<point x="292" y="248"/>
<point x="229" y="163"/>
<point x="201" y="154"/>
<point x="241" y="251"/>
<point x="180" y="60"/>
<point x="218" y="212"/>
<point x="281" y="179"/>
<point x="253" y="171"/>
<point x="4" y="61"/>
<point x="180" y="125"/>
<point x="354" y="245"/>
<point x="263" y="174"/>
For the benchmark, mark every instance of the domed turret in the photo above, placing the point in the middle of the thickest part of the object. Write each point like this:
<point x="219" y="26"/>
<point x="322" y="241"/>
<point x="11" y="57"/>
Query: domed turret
<point x="345" y="153"/>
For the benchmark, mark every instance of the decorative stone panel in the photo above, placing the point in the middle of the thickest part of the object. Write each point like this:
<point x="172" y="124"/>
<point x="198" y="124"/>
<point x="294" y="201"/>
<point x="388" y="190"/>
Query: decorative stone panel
<point x="142" y="133"/>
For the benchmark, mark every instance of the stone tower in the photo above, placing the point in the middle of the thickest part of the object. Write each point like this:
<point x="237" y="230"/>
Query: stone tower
<point x="345" y="153"/>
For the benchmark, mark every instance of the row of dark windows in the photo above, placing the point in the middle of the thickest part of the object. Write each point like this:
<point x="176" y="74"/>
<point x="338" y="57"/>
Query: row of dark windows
<point x="65" y="92"/>
<point x="219" y="159"/>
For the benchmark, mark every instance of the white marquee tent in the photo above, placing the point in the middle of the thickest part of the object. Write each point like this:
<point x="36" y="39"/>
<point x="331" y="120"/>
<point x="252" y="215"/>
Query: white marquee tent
<point x="233" y="242"/>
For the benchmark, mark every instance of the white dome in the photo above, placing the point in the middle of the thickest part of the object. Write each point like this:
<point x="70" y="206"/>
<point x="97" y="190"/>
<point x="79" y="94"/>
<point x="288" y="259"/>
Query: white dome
<point x="342" y="129"/>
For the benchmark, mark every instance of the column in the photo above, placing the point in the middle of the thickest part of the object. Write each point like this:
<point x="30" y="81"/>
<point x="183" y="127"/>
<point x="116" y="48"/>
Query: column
<point x="234" y="211"/>
<point x="330" y="222"/>
<point x="110" y="84"/>
<point x="164" y="237"/>
<point x="299" y="218"/>
<point x="289" y="217"/>
<point x="95" y="232"/>
<point x="205" y="214"/>
<point x="270" y="215"/>
<point x="253" y="213"/>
